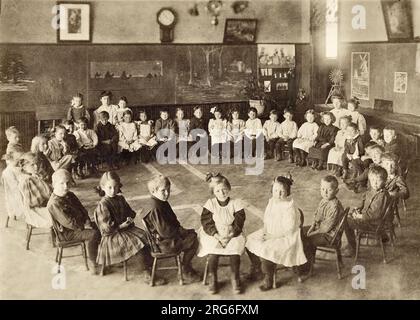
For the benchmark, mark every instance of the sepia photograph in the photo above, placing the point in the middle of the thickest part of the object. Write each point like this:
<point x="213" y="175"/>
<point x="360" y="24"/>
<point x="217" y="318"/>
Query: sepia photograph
<point x="214" y="152"/>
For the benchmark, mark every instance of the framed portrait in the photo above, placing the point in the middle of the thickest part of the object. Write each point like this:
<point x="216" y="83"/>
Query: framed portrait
<point x="240" y="31"/>
<point x="398" y="19"/>
<point x="74" y="24"/>
<point x="400" y="82"/>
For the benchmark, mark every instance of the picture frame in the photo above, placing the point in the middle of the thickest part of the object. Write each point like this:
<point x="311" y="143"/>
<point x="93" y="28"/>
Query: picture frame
<point x="360" y="75"/>
<point x="398" y="19"/>
<point x="239" y="31"/>
<point x="400" y="82"/>
<point x="74" y="22"/>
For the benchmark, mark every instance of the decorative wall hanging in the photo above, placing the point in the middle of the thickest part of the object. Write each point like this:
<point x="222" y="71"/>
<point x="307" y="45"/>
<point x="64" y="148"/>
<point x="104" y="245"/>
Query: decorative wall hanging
<point x="360" y="72"/>
<point x="240" y="31"/>
<point x="398" y="19"/>
<point x="400" y="82"/>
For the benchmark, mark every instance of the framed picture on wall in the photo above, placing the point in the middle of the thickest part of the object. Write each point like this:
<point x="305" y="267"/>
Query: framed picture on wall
<point x="360" y="74"/>
<point x="240" y="31"/>
<point x="398" y="19"/>
<point x="400" y="82"/>
<point x="74" y="22"/>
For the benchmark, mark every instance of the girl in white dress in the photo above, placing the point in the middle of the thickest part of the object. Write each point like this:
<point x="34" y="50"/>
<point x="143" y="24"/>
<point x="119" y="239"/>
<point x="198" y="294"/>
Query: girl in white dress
<point x="222" y="222"/>
<point x="235" y="130"/>
<point x="279" y="241"/>
<point x="122" y="107"/>
<point x="218" y="134"/>
<point x="147" y="137"/>
<point x="336" y="153"/>
<point x="181" y="129"/>
<point x="129" y="142"/>
<point x="306" y="136"/>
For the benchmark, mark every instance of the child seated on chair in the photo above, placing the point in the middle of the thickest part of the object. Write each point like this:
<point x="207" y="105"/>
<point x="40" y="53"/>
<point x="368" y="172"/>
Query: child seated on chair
<point x="335" y="154"/>
<point x="279" y="241"/>
<point x="395" y="184"/>
<point x="70" y="219"/>
<point x="306" y="136"/>
<point x="35" y="192"/>
<point x="198" y="128"/>
<point x="287" y="132"/>
<point x="360" y="183"/>
<point x="107" y="140"/>
<point x="253" y="131"/>
<point x="165" y="229"/>
<point x="147" y="137"/>
<point x="326" y="219"/>
<point x="69" y="137"/>
<point x="128" y="144"/>
<point x="87" y="140"/>
<point x="39" y="146"/>
<point x="222" y="222"/>
<point x="121" y="239"/>
<point x="13" y="138"/>
<point x="393" y="145"/>
<point x="270" y="131"/>
<point x="182" y="127"/>
<point x="121" y="108"/>
<point x="324" y="141"/>
<point x="353" y="150"/>
<point x="235" y="131"/>
<point x="218" y="134"/>
<point x="58" y="152"/>
<point x="165" y="129"/>
<point x="10" y="181"/>
<point x="368" y="214"/>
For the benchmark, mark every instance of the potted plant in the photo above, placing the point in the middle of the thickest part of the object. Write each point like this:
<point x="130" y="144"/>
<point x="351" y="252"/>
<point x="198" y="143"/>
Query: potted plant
<point x="254" y="91"/>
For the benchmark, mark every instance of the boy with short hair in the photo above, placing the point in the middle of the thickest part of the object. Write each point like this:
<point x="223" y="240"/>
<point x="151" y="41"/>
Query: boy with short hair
<point x="287" y="132"/>
<point x="393" y="145"/>
<point x="326" y="220"/>
<point x="13" y="138"/>
<point x="395" y="184"/>
<point x="87" y="141"/>
<point x="70" y="218"/>
<point x="270" y="131"/>
<point x="369" y="213"/>
<point x="165" y="228"/>
<point x="77" y="110"/>
<point x="353" y="151"/>
<point x="107" y="140"/>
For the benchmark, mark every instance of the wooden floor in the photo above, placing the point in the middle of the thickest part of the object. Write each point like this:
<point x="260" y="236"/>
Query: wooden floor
<point x="29" y="274"/>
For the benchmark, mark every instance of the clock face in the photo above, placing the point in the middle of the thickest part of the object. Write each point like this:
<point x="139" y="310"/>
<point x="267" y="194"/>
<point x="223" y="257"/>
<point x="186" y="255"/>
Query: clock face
<point x="166" y="17"/>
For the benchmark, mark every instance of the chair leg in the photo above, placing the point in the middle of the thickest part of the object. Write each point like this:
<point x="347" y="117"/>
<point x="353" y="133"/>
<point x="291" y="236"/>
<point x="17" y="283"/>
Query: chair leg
<point x="338" y="262"/>
<point x="181" y="279"/>
<point x="358" y="237"/>
<point x="152" y="280"/>
<point x="206" y="272"/>
<point x="275" y="278"/>
<point x="14" y="218"/>
<point x="102" y="273"/>
<point x="6" y="225"/>
<point x="85" y="255"/>
<point x="28" y="235"/>
<point x="56" y="254"/>
<point x="60" y="256"/>
<point x="383" y="249"/>
<point x="125" y="270"/>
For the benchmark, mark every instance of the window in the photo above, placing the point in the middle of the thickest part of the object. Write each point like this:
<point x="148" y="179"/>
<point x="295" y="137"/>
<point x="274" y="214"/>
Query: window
<point x="331" y="32"/>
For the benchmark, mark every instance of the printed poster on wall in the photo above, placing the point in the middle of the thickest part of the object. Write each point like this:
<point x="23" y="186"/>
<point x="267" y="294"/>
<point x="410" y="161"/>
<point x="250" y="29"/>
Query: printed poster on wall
<point x="400" y="82"/>
<point x="360" y="70"/>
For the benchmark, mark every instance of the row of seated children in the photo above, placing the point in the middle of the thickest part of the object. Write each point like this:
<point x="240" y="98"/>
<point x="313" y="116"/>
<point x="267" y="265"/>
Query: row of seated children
<point x="113" y="237"/>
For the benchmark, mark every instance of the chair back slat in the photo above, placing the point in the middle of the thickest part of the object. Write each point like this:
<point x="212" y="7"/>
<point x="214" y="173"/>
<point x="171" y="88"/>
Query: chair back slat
<point x="337" y="236"/>
<point x="391" y="206"/>
<point x="153" y="246"/>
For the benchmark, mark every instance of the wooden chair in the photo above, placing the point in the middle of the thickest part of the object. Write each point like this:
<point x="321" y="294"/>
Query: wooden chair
<point x="385" y="228"/>
<point x="335" y="244"/>
<point x="29" y="234"/>
<point x="61" y="245"/>
<point x="158" y="255"/>
<point x="279" y="267"/>
<point x="6" y="225"/>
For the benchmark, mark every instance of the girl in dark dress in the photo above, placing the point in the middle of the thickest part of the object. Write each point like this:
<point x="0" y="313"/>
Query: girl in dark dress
<point x="323" y="142"/>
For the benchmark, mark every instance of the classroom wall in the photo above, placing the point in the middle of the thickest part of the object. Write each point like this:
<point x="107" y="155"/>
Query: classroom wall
<point x="134" y="21"/>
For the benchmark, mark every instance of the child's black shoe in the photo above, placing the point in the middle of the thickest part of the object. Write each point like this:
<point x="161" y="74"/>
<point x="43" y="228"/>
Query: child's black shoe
<point x="267" y="283"/>
<point x="236" y="285"/>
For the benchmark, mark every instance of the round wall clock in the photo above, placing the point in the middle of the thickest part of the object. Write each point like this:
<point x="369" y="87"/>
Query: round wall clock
<point x="166" y="18"/>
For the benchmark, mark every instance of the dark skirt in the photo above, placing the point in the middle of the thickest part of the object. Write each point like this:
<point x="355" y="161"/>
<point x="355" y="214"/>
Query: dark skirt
<point x="319" y="154"/>
<point x="121" y="245"/>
